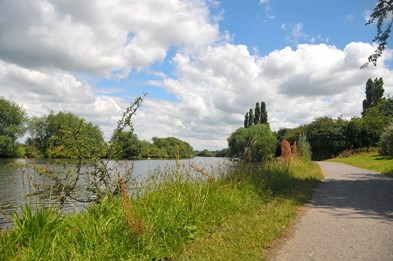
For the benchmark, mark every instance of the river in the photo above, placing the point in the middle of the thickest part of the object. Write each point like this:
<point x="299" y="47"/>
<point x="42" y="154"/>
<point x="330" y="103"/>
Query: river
<point x="15" y="182"/>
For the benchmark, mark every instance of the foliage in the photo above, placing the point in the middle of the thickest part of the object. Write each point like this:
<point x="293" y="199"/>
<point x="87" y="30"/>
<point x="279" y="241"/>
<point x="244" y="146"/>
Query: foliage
<point x="178" y="217"/>
<point x="383" y="15"/>
<point x="326" y="137"/>
<point x="88" y="177"/>
<point x="386" y="142"/>
<point x="286" y="150"/>
<point x="256" y="143"/>
<point x="257" y="116"/>
<point x="128" y="144"/>
<point x="65" y="135"/>
<point x="12" y="119"/>
<point x="374" y="93"/>
<point x="305" y="150"/>
<point x="168" y="148"/>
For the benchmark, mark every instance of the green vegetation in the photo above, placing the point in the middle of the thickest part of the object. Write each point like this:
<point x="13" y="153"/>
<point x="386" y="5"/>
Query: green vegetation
<point x="255" y="143"/>
<point x="386" y="142"/>
<point x="369" y="160"/>
<point x="329" y="137"/>
<point x="12" y="119"/>
<point x="179" y="216"/>
<point x="257" y="116"/>
<point x="381" y="14"/>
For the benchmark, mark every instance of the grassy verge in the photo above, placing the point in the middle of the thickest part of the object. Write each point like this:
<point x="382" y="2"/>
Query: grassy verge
<point x="235" y="217"/>
<point x="369" y="160"/>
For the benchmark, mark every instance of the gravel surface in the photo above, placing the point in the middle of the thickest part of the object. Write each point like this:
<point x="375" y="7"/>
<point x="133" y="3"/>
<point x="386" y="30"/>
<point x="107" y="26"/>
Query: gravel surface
<point x="350" y="217"/>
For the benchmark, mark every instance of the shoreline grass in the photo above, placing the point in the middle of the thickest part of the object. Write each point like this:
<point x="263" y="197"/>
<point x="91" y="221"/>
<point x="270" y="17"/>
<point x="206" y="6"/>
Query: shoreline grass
<point x="235" y="217"/>
<point x="369" y="160"/>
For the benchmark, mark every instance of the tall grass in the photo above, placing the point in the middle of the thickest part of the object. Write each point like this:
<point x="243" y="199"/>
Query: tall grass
<point x="178" y="217"/>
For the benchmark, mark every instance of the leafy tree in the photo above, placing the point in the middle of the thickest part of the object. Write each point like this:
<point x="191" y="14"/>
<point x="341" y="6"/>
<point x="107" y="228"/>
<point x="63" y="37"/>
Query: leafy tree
<point x="264" y="119"/>
<point x="257" y="118"/>
<point x="374" y="93"/>
<point x="90" y="178"/>
<point x="386" y="142"/>
<point x="246" y="120"/>
<point x="355" y="134"/>
<point x="383" y="15"/>
<point x="130" y="147"/>
<point x="65" y="135"/>
<point x="326" y="137"/>
<point x="169" y="147"/>
<point x="256" y="143"/>
<point x="12" y="119"/>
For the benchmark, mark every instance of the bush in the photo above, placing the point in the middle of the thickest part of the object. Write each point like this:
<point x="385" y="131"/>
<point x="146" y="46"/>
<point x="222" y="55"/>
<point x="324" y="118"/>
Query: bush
<point x="386" y="141"/>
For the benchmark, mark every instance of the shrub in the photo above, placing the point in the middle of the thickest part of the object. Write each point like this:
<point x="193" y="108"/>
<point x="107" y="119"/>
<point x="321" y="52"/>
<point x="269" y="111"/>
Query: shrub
<point x="386" y="141"/>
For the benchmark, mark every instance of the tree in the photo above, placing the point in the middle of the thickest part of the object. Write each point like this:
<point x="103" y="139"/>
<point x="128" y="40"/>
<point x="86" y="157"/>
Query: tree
<point x="257" y="117"/>
<point x="386" y="142"/>
<point x="129" y="145"/>
<point x="170" y="147"/>
<point x="256" y="143"/>
<point x="250" y="117"/>
<point x="65" y="135"/>
<point x="12" y="119"/>
<point x="263" y="113"/>
<point x="326" y="137"/>
<point x="383" y="15"/>
<point x="374" y="93"/>
<point x="246" y="120"/>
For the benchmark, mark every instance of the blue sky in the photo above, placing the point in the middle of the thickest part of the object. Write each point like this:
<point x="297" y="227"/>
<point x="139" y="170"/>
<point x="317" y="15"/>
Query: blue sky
<point x="203" y="63"/>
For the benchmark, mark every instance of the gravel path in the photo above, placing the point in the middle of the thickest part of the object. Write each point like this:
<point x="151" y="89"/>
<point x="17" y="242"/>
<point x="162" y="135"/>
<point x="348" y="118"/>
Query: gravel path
<point x="350" y="217"/>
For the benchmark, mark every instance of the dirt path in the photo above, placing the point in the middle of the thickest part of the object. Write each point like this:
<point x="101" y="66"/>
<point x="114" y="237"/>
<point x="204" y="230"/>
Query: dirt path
<point x="350" y="217"/>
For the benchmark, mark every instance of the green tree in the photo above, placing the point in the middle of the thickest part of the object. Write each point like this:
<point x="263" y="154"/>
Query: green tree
<point x="257" y="117"/>
<point x="65" y="135"/>
<point x="12" y="119"/>
<point x="264" y="118"/>
<point x="386" y="142"/>
<point x="383" y="15"/>
<point x="374" y="93"/>
<point x="256" y="143"/>
<point x="326" y="137"/>
<point x="246" y="120"/>
<point x="170" y="146"/>
<point x="250" y="117"/>
<point x="130" y="147"/>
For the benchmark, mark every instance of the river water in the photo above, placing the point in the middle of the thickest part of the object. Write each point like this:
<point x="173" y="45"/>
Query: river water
<point x="15" y="181"/>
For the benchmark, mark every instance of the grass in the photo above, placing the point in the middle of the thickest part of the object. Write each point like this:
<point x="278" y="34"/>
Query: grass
<point x="369" y="160"/>
<point x="235" y="217"/>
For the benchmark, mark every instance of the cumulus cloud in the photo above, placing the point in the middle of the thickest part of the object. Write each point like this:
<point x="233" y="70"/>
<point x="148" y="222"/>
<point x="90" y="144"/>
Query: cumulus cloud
<point x="100" y="36"/>
<point x="47" y="47"/>
<point x="216" y="88"/>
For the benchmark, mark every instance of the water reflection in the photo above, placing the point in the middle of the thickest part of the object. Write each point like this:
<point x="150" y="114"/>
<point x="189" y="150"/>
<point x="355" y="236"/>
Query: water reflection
<point x="15" y="183"/>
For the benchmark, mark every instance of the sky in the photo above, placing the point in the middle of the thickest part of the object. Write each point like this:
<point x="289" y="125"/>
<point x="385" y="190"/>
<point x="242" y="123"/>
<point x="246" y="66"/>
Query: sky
<point x="202" y="63"/>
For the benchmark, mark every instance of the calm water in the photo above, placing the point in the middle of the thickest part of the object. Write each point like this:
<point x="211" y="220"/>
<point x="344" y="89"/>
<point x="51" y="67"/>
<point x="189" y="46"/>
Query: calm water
<point x="14" y="182"/>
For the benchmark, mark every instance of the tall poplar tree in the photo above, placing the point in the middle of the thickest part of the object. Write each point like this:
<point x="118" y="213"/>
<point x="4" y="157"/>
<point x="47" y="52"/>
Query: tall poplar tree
<point x="246" y="122"/>
<point x="263" y="113"/>
<point x="257" y="117"/>
<point x="374" y="93"/>
<point x="250" y="117"/>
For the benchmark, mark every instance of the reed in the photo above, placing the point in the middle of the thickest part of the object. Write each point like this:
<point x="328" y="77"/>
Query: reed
<point x="178" y="217"/>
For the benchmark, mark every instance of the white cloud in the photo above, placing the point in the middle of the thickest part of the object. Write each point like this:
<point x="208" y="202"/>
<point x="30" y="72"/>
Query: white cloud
<point x="100" y="36"/>
<point x="218" y="87"/>
<point x="47" y="47"/>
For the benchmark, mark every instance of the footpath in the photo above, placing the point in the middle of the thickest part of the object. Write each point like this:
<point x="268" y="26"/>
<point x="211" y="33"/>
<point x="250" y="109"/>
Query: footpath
<point x="350" y="217"/>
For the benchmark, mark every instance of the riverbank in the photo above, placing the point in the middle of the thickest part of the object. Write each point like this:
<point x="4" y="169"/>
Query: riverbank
<point x="235" y="216"/>
<point x="369" y="160"/>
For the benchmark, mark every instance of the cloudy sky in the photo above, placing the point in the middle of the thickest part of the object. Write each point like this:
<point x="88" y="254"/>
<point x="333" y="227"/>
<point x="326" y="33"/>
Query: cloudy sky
<point x="203" y="63"/>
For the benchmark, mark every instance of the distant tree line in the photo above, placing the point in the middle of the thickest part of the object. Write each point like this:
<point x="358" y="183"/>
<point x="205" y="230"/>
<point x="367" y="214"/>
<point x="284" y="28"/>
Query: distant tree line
<point x="66" y="135"/>
<point x="328" y="137"/>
